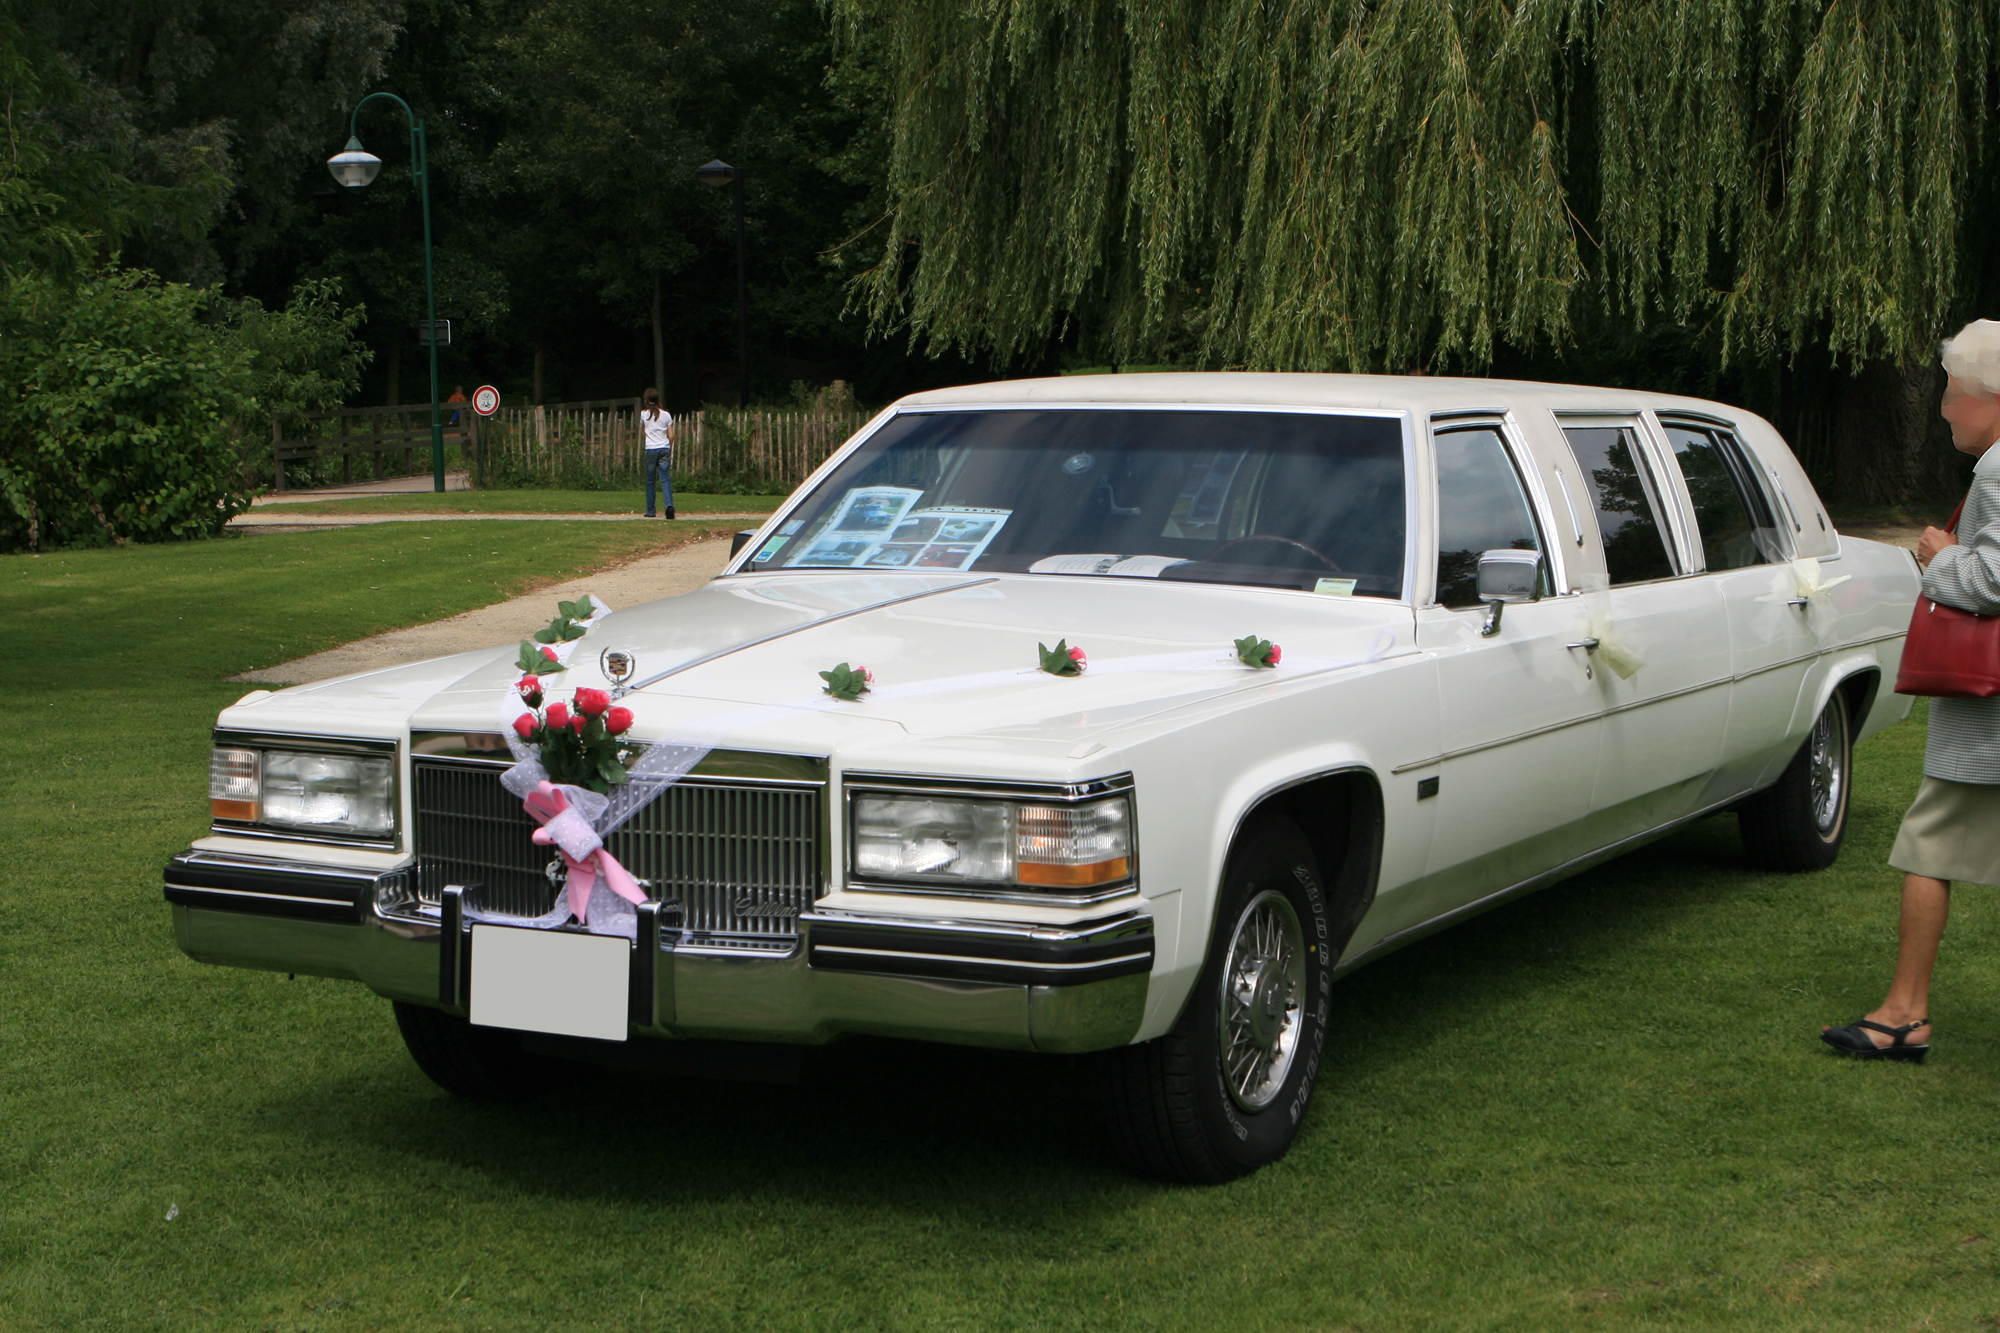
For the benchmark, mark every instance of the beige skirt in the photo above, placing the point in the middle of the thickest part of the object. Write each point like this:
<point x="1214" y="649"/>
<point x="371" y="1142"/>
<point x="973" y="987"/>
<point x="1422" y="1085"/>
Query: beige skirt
<point x="1952" y="831"/>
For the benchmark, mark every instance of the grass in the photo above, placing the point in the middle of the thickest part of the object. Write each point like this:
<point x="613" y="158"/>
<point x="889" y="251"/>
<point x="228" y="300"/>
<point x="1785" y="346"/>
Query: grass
<point x="1601" y="1108"/>
<point x="530" y="502"/>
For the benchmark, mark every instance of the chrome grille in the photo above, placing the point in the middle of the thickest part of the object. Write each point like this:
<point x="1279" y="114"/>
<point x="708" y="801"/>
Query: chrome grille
<point x="741" y="859"/>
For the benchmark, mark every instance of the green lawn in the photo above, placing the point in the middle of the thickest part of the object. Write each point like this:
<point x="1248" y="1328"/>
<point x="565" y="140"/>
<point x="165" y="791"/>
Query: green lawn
<point x="1602" y="1108"/>
<point x="532" y="502"/>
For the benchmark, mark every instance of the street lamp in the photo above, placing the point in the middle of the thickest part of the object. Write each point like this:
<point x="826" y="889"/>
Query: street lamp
<point x="719" y="173"/>
<point x="355" y="167"/>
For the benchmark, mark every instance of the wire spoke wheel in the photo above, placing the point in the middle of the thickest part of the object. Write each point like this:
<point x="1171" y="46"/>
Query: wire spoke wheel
<point x="1826" y="772"/>
<point x="1263" y="986"/>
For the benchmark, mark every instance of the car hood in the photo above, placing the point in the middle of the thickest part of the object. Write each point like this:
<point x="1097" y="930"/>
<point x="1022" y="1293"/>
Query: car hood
<point x="951" y="655"/>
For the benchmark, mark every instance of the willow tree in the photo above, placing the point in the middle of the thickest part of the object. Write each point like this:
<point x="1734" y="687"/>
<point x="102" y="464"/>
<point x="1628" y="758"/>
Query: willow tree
<point x="1363" y="184"/>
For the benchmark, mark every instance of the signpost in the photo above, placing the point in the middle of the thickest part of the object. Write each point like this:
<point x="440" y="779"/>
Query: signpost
<point x="438" y="330"/>
<point x="486" y="400"/>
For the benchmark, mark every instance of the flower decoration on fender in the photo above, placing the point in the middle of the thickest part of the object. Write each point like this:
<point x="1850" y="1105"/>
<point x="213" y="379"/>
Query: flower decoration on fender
<point x="536" y="660"/>
<point x="846" y="682"/>
<point x="569" y="621"/>
<point x="1255" y="652"/>
<point x="1062" y="660"/>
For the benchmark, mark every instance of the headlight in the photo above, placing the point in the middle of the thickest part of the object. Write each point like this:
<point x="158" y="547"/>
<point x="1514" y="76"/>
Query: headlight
<point x="294" y="789"/>
<point x="993" y="843"/>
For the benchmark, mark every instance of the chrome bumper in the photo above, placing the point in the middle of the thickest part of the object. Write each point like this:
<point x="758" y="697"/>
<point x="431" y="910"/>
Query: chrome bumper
<point x="983" y="983"/>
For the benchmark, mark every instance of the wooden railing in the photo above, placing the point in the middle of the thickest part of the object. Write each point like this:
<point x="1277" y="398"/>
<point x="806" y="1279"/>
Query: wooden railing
<point x="603" y="439"/>
<point x="590" y="443"/>
<point x="346" y="432"/>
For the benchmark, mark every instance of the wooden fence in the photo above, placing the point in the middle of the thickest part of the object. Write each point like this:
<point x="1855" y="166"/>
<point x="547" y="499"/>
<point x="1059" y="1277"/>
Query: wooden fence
<point x="567" y="443"/>
<point x="603" y="439"/>
<point x="374" y="434"/>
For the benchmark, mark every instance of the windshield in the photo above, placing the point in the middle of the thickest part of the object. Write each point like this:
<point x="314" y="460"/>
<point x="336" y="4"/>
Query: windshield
<point x="1276" y="499"/>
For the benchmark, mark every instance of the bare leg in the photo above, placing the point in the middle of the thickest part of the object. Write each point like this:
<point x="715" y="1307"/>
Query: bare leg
<point x="1926" y="904"/>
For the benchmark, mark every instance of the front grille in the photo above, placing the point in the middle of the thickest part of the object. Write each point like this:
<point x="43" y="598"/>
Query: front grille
<point x="740" y="859"/>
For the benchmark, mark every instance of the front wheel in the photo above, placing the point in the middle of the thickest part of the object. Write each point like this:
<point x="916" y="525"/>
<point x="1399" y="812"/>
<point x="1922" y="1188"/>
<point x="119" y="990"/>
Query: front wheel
<point x="480" y="1064"/>
<point x="1223" y="1093"/>
<point x="1800" y="821"/>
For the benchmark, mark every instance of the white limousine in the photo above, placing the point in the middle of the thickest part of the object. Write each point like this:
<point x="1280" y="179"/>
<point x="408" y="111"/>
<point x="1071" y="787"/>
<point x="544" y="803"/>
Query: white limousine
<point x="1361" y="657"/>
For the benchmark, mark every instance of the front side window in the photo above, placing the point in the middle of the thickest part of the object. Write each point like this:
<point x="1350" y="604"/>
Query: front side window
<point x="1276" y="499"/>
<point x="1481" y="507"/>
<point x="1635" y="547"/>
<point x="1731" y="513"/>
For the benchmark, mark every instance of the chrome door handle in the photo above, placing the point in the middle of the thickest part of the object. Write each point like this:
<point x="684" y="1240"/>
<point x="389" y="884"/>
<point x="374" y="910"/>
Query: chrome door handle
<point x="1588" y="645"/>
<point x="1798" y="601"/>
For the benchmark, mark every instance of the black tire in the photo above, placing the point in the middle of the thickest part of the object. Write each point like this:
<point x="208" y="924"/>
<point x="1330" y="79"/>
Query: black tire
<point x="1172" y="1106"/>
<point x="1799" y="822"/>
<point x="480" y="1064"/>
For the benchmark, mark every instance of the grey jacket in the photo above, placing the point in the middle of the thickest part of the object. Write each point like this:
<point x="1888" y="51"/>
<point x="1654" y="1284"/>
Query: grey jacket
<point x="1964" y="742"/>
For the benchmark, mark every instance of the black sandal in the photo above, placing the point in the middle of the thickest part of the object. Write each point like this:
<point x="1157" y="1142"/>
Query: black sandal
<point x="1851" y="1040"/>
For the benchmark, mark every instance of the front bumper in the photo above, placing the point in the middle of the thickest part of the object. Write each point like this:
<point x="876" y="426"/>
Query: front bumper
<point x="1078" y="987"/>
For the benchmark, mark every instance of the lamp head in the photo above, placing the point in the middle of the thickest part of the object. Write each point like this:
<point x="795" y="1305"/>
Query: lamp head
<point x="716" y="173"/>
<point x="354" y="166"/>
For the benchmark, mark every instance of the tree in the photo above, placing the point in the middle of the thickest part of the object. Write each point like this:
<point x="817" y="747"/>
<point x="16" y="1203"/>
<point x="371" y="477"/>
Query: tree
<point x="1295" y="185"/>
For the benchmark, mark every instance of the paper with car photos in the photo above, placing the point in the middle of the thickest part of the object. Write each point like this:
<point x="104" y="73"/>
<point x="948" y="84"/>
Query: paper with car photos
<point x="879" y="527"/>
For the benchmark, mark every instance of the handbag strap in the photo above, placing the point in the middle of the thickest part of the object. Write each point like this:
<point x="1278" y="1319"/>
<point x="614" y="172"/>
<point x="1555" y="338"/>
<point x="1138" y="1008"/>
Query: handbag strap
<point x="1953" y="525"/>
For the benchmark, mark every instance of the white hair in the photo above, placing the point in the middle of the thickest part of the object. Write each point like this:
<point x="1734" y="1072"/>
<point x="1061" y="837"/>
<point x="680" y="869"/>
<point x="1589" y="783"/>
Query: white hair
<point x="1974" y="355"/>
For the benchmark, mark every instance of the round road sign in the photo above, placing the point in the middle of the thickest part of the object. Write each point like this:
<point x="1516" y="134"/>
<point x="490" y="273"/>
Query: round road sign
<point x="486" y="400"/>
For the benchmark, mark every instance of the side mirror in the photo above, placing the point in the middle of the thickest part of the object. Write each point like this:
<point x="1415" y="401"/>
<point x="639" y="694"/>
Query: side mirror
<point x="739" y="540"/>
<point x="1507" y="576"/>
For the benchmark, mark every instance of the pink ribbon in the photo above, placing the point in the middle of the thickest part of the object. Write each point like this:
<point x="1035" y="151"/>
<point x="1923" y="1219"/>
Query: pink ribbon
<point x="581" y="849"/>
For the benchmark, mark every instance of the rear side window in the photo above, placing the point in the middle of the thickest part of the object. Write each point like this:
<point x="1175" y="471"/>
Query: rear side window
<point x="1614" y="469"/>
<point x="1734" y="518"/>
<point x="1481" y="507"/>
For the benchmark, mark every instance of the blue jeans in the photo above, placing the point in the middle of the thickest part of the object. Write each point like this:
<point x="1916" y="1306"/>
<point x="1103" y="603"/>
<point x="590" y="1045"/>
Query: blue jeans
<point x="659" y="463"/>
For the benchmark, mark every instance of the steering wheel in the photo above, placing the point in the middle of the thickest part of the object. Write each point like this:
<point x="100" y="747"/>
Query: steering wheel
<point x="1318" y="555"/>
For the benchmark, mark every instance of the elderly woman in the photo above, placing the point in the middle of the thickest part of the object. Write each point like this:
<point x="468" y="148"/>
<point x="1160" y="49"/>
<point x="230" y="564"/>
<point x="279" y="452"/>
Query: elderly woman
<point x="1952" y="831"/>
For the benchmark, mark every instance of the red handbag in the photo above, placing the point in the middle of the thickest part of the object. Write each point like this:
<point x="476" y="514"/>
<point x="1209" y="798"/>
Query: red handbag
<point x="1949" y="653"/>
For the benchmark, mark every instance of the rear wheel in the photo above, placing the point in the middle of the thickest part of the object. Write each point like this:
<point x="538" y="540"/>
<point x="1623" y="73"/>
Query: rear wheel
<point x="480" y="1064"/>
<point x="1800" y="822"/>
<point x="1224" y="1092"/>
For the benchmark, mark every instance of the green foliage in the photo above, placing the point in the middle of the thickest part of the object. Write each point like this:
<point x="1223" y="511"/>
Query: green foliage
<point x="846" y="682"/>
<point x="1308" y="186"/>
<point x="115" y="412"/>
<point x="305" y="357"/>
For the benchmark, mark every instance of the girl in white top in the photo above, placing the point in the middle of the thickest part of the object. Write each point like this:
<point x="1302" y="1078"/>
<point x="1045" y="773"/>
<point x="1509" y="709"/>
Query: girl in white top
<point x="658" y="425"/>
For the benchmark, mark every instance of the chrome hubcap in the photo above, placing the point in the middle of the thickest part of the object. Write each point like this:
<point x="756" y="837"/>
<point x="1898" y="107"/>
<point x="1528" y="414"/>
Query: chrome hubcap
<point x="1263" y="984"/>
<point x="1825" y="769"/>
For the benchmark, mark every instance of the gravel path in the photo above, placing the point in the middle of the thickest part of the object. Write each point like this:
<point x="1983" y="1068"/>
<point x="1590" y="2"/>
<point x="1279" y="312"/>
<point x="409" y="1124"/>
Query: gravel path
<point x="258" y="519"/>
<point x="647" y="580"/>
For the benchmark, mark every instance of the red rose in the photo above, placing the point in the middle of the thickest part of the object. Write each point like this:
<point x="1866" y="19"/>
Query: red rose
<point x="524" y="726"/>
<point x="531" y="690"/>
<point x="550" y="654"/>
<point x="1276" y="653"/>
<point x="618" y="721"/>
<point x="558" y="715"/>
<point x="591" y="702"/>
<point x="577" y="723"/>
<point x="867" y="675"/>
<point x="1076" y="656"/>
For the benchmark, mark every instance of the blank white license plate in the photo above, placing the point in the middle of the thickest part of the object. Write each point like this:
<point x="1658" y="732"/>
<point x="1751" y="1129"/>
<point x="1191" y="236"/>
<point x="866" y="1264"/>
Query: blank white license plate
<point x="550" y="981"/>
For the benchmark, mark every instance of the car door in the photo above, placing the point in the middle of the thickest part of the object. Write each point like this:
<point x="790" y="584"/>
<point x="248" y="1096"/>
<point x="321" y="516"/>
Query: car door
<point x="1745" y="550"/>
<point x="1518" y="712"/>
<point x="1662" y="665"/>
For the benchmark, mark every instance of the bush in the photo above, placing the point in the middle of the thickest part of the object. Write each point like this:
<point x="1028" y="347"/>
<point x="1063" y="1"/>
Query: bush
<point x="124" y="402"/>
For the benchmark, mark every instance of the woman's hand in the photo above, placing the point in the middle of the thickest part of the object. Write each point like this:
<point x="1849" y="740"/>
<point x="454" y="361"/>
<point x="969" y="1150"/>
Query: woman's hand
<point x="1933" y="541"/>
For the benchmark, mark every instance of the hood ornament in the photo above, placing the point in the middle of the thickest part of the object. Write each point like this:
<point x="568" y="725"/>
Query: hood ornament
<point x="619" y="666"/>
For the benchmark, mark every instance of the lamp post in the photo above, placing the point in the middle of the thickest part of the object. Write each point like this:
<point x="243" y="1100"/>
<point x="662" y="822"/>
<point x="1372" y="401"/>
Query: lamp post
<point x="719" y="173"/>
<point x="355" y="167"/>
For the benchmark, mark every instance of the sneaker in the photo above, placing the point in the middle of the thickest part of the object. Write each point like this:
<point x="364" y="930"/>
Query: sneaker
<point x="650" y="514"/>
<point x="670" y="511"/>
